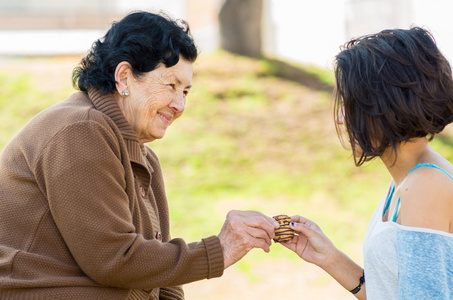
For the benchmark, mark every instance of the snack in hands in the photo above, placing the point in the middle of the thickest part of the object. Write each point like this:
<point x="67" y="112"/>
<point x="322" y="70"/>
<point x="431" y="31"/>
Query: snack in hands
<point x="283" y="233"/>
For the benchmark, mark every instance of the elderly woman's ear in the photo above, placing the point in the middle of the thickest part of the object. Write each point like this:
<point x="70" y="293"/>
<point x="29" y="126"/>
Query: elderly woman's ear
<point x="123" y="74"/>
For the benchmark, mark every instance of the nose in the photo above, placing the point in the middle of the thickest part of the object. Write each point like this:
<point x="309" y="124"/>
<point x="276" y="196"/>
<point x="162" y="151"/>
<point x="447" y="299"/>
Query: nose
<point x="340" y="117"/>
<point x="178" y="104"/>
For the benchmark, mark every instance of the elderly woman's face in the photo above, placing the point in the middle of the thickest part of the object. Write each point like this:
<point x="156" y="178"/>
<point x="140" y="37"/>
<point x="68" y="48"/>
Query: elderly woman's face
<point x="157" y="99"/>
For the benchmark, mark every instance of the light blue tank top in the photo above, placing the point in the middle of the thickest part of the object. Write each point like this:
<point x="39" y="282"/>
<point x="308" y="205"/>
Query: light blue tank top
<point x="387" y="204"/>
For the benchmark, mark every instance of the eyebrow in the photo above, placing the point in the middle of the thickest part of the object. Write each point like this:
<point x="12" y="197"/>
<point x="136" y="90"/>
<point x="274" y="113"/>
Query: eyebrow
<point x="179" y="82"/>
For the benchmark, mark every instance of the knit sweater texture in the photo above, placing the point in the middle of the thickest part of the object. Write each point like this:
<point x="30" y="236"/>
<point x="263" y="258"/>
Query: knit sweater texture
<point x="84" y="213"/>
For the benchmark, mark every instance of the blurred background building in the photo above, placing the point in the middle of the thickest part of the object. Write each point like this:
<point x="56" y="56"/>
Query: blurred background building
<point x="297" y="30"/>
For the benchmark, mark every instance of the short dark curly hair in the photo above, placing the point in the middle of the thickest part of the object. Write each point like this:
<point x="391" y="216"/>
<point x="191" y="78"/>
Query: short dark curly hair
<point x="141" y="38"/>
<point x="391" y="87"/>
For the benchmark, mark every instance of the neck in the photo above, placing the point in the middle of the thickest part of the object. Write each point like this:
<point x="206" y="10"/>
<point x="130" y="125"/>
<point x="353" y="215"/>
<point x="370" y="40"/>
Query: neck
<point x="408" y="155"/>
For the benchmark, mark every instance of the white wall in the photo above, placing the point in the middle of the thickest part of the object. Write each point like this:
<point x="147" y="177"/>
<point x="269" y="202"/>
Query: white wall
<point x="305" y="31"/>
<point x="177" y="8"/>
<point x="68" y="41"/>
<point x="312" y="31"/>
<point x="437" y="15"/>
<point x="371" y="16"/>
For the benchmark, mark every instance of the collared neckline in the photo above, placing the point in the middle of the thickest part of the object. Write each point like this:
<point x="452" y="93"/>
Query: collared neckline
<point x="107" y="104"/>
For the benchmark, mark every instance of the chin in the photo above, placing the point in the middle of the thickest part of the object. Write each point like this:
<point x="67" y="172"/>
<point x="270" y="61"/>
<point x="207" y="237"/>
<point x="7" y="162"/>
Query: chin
<point x="158" y="136"/>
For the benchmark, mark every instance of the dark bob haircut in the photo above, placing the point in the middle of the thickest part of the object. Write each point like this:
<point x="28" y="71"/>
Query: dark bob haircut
<point x="144" y="40"/>
<point x="391" y="87"/>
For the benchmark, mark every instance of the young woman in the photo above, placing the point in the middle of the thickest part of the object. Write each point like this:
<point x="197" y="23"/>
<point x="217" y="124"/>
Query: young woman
<point x="394" y="93"/>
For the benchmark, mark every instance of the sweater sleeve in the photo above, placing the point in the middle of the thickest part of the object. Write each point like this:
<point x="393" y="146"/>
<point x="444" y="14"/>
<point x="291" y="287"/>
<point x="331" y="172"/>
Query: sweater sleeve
<point x="82" y="175"/>
<point x="425" y="262"/>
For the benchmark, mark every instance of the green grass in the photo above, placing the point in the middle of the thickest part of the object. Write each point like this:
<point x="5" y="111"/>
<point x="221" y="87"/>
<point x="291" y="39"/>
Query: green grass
<point x="20" y="100"/>
<point x="252" y="138"/>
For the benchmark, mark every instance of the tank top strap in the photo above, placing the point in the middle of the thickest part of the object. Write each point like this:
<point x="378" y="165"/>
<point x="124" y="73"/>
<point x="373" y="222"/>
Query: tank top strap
<point x="432" y="166"/>
<point x="389" y="197"/>
<point x="397" y="207"/>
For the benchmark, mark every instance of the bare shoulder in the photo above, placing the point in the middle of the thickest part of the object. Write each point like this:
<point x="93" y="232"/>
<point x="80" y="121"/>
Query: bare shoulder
<point x="427" y="200"/>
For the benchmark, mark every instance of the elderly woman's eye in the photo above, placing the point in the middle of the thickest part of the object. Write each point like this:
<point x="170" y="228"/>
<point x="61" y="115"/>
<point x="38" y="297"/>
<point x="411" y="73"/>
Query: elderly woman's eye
<point x="172" y="85"/>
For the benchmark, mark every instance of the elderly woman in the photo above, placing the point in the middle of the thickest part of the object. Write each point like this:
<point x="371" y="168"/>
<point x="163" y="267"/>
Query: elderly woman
<point x="83" y="208"/>
<point x="394" y="93"/>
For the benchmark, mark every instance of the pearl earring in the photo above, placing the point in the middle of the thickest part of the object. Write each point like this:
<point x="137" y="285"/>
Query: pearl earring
<point x="125" y="92"/>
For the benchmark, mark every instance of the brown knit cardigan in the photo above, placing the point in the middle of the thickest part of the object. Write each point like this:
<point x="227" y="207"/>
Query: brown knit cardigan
<point x="83" y="212"/>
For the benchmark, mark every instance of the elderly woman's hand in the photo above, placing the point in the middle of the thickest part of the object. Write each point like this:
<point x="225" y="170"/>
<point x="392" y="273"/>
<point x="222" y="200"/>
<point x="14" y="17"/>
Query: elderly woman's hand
<point x="243" y="231"/>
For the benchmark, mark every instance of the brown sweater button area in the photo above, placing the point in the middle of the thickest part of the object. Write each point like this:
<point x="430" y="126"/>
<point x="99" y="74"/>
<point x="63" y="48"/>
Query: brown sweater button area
<point x="283" y="233"/>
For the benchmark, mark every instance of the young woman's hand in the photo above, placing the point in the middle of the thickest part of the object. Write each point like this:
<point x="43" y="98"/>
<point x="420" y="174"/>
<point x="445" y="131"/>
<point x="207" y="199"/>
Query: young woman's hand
<point x="311" y="244"/>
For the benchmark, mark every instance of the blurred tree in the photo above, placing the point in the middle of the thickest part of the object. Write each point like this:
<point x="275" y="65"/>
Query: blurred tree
<point x="240" y="27"/>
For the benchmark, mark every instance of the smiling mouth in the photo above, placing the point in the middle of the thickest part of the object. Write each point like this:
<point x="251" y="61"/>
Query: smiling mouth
<point x="165" y="118"/>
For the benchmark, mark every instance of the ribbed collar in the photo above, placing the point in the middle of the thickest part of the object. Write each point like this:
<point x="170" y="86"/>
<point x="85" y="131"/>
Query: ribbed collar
<point x="108" y="105"/>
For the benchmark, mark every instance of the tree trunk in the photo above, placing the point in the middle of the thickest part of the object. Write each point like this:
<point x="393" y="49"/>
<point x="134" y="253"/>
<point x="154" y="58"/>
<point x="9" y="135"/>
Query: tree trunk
<point x="240" y="27"/>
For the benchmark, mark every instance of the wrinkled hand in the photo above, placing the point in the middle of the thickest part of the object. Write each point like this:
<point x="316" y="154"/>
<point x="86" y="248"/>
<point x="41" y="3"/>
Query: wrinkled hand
<point x="311" y="244"/>
<point x="243" y="231"/>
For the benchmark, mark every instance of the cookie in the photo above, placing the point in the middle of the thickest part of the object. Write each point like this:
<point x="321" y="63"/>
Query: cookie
<point x="283" y="233"/>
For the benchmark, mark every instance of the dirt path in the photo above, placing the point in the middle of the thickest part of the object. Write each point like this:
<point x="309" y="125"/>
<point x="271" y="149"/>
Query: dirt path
<point x="278" y="280"/>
